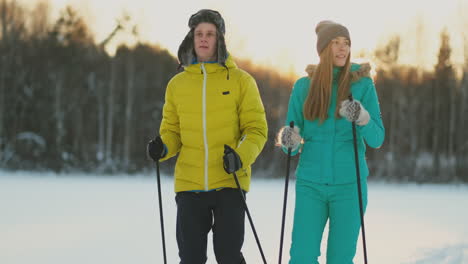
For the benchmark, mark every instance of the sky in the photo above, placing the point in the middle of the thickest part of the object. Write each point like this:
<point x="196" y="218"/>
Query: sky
<point x="281" y="33"/>
<point x="48" y="218"/>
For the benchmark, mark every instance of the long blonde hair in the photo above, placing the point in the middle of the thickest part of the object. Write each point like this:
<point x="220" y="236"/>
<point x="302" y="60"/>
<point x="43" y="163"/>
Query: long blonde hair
<point x="319" y="97"/>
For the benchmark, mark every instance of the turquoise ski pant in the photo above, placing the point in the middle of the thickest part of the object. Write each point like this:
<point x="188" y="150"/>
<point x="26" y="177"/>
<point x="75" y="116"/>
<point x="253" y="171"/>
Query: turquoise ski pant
<point x="317" y="203"/>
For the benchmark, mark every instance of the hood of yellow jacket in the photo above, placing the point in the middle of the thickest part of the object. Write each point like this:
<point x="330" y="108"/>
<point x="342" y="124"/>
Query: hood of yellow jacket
<point x="211" y="67"/>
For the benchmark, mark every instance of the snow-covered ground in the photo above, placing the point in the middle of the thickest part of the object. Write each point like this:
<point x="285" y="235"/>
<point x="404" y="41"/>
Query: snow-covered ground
<point x="54" y="219"/>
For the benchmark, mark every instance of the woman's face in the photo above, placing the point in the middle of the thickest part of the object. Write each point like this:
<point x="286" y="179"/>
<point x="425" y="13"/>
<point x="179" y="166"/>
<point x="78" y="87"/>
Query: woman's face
<point x="205" y="42"/>
<point x="340" y="50"/>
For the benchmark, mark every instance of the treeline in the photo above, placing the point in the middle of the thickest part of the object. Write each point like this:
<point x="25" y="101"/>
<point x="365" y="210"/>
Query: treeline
<point x="66" y="104"/>
<point x="426" y="117"/>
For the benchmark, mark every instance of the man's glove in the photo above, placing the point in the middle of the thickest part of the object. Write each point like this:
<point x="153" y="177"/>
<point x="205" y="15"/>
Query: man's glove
<point x="354" y="111"/>
<point x="231" y="160"/>
<point x="156" y="149"/>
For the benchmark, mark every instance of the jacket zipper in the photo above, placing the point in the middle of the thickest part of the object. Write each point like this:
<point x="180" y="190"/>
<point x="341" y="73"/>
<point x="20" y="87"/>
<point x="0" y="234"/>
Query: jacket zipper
<point x="205" y="138"/>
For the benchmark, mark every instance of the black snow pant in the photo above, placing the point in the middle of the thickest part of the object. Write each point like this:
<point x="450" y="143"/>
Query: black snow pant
<point x="220" y="211"/>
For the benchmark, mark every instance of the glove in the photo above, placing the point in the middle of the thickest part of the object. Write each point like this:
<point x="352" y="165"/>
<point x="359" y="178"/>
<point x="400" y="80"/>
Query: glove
<point x="231" y="160"/>
<point x="353" y="111"/>
<point x="289" y="137"/>
<point x="156" y="149"/>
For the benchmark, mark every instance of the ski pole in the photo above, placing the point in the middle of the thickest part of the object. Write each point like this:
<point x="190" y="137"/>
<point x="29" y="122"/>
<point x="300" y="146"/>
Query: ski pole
<point x="286" y="183"/>
<point x="158" y="177"/>
<point x="250" y="218"/>
<point x="358" y="175"/>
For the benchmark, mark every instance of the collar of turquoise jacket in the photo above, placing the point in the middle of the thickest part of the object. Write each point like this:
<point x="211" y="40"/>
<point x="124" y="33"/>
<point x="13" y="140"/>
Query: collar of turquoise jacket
<point x="211" y="67"/>
<point x="337" y="70"/>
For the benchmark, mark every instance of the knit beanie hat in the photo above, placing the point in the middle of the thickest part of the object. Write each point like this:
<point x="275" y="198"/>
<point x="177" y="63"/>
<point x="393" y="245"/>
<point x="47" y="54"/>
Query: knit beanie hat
<point x="186" y="52"/>
<point x="326" y="31"/>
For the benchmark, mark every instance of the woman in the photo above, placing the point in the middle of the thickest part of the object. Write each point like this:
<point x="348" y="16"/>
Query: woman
<point x="326" y="186"/>
<point x="213" y="117"/>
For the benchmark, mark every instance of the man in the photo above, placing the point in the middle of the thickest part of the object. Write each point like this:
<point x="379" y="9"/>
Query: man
<point x="213" y="117"/>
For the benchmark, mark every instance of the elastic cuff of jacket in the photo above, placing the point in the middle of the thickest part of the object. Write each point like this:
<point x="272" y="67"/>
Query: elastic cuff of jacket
<point x="293" y="152"/>
<point x="363" y="128"/>
<point x="164" y="151"/>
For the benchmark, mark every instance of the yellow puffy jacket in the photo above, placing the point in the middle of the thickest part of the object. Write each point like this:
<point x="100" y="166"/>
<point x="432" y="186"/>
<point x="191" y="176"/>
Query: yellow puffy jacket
<point x="206" y="106"/>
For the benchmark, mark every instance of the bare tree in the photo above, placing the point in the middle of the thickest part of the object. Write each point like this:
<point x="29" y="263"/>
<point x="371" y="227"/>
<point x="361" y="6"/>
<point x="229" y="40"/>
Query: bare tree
<point x="121" y="25"/>
<point x="110" y="113"/>
<point x="129" y="108"/>
<point x="12" y="26"/>
<point x="420" y="45"/>
<point x="59" y="112"/>
<point x="39" y="20"/>
<point x="130" y="69"/>
<point x="462" y="141"/>
<point x="387" y="57"/>
<point x="444" y="110"/>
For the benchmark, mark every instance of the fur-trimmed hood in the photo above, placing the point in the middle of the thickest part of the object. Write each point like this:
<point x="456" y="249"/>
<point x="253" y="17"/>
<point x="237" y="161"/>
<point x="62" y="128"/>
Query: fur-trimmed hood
<point x="358" y="71"/>
<point x="186" y="53"/>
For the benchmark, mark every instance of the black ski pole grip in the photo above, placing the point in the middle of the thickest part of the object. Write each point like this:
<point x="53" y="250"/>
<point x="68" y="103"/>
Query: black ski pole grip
<point x="291" y="124"/>
<point x="350" y="97"/>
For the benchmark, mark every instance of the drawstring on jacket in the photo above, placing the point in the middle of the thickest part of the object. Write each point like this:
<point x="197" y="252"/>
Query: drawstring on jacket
<point x="225" y="66"/>
<point x="227" y="69"/>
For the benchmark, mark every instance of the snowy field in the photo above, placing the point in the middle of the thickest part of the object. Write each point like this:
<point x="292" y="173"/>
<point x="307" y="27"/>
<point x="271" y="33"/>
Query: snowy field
<point x="51" y="219"/>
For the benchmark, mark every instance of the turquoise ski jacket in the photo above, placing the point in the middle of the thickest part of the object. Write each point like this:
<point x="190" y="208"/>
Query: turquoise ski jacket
<point x="327" y="153"/>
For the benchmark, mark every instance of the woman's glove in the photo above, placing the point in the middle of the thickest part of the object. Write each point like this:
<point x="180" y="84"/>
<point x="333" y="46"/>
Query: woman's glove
<point x="289" y="137"/>
<point x="354" y="111"/>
